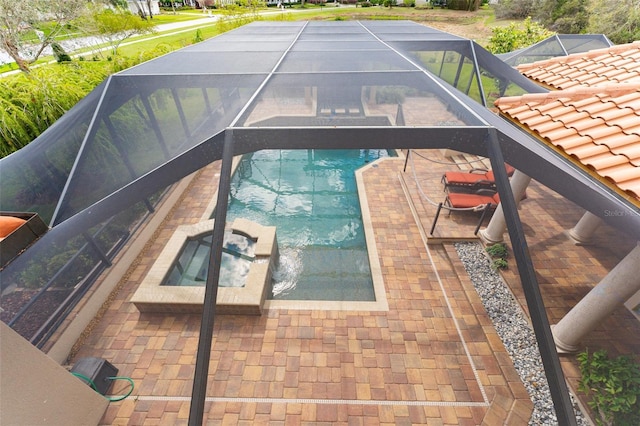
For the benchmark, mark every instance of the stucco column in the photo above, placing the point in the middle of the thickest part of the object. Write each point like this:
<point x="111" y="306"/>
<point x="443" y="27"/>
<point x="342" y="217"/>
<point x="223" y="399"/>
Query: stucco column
<point x="494" y="231"/>
<point x="620" y="284"/>
<point x="582" y="233"/>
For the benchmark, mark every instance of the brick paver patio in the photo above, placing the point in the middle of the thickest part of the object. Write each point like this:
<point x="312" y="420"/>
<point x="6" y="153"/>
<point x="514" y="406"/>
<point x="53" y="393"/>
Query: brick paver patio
<point x="432" y="358"/>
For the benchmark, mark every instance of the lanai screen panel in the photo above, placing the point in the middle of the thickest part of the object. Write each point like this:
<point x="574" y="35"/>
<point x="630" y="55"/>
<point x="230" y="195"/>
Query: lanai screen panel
<point x="557" y="45"/>
<point x="468" y="67"/>
<point x="158" y="110"/>
<point x="33" y="178"/>
<point x="360" y="81"/>
<point x="146" y="121"/>
<point x="576" y="43"/>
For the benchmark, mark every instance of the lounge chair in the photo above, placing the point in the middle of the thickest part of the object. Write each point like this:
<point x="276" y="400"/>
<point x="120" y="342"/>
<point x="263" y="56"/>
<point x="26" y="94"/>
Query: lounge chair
<point x="459" y="200"/>
<point x="485" y="202"/>
<point x="472" y="180"/>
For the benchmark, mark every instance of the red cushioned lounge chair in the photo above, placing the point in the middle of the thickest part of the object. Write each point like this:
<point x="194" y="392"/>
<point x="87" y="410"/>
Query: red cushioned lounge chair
<point x="458" y="200"/>
<point x="485" y="201"/>
<point x="472" y="180"/>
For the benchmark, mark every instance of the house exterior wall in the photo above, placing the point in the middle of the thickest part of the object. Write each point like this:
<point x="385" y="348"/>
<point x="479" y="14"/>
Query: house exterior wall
<point x="36" y="390"/>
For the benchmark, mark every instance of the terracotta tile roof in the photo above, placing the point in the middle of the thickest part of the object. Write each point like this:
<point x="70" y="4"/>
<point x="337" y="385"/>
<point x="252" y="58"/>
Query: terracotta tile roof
<point x="617" y="64"/>
<point x="597" y="127"/>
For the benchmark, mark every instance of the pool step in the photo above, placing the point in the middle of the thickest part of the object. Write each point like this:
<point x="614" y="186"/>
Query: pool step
<point x="349" y="277"/>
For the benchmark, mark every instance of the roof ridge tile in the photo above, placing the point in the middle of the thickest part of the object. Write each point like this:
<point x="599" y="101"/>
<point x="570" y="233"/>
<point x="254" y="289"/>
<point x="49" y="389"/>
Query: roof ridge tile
<point x="578" y="93"/>
<point x="584" y="56"/>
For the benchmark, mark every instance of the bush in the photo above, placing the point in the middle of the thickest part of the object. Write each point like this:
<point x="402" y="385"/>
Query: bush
<point x="613" y="385"/>
<point x="198" y="37"/>
<point x="499" y="254"/>
<point x="498" y="250"/>
<point x="29" y="104"/>
<point x="470" y="5"/>
<point x="59" y="54"/>
<point x="513" y="37"/>
<point x="499" y="264"/>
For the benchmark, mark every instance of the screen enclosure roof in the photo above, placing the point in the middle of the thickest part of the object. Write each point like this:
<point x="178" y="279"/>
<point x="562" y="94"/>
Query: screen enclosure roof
<point x="554" y="46"/>
<point x="293" y="85"/>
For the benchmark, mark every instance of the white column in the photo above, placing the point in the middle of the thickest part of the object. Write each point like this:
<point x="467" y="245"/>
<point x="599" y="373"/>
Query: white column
<point x="582" y="233"/>
<point x="497" y="225"/>
<point x="620" y="284"/>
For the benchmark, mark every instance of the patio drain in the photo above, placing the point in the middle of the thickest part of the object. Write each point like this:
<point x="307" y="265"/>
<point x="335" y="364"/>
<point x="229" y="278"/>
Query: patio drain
<point x="318" y="401"/>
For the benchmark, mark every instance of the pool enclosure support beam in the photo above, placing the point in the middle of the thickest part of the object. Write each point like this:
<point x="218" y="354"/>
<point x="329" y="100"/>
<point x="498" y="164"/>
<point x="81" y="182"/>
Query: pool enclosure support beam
<point x="539" y="320"/>
<point x="549" y="170"/>
<point x="203" y="356"/>
<point x="476" y="68"/>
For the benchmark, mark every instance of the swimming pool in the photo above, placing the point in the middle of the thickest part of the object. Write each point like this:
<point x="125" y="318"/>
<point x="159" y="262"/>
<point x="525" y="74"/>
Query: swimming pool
<point x="311" y="197"/>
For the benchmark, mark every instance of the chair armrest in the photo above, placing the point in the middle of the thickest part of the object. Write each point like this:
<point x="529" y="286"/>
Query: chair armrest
<point x="485" y="191"/>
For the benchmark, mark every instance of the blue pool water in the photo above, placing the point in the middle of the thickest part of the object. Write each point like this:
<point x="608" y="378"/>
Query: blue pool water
<point x="311" y="197"/>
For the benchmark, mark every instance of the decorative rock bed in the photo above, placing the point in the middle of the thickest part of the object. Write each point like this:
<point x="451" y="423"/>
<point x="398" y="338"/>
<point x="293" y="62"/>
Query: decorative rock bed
<point x="153" y="296"/>
<point x="513" y="328"/>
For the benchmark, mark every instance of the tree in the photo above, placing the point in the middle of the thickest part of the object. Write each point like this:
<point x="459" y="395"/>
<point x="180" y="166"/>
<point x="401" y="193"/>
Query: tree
<point x="515" y="8"/>
<point x="120" y="4"/>
<point x="469" y="5"/>
<point x="473" y="5"/>
<point x="18" y="19"/>
<point x="115" y="26"/>
<point x="564" y="16"/>
<point x="620" y="21"/>
<point x="149" y="4"/>
<point x="144" y="12"/>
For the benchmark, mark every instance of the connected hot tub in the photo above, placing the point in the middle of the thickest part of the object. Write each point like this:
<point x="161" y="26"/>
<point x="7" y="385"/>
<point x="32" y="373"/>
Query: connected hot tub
<point x="176" y="281"/>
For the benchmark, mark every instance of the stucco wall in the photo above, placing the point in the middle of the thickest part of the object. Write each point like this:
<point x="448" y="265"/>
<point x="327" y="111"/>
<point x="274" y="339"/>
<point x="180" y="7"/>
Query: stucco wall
<point x="35" y="390"/>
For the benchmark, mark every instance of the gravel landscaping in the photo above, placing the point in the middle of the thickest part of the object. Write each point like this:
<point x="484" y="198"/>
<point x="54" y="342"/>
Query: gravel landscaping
<point x="512" y="326"/>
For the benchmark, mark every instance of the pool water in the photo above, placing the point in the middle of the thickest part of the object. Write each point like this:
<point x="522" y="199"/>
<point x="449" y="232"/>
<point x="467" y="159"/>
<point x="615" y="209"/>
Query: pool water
<point x="311" y="197"/>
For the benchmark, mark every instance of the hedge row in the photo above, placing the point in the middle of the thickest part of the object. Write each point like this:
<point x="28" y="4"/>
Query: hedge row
<point x="30" y="103"/>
